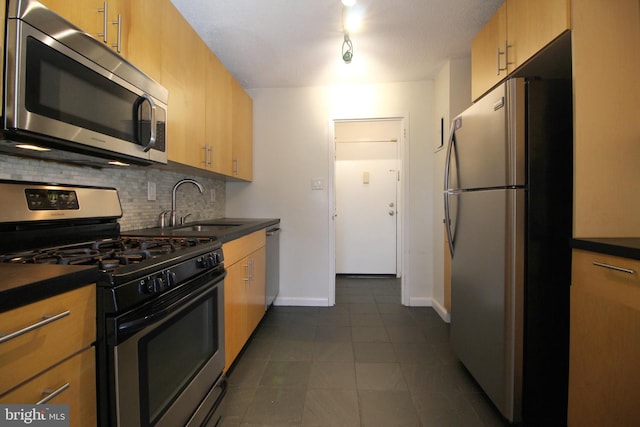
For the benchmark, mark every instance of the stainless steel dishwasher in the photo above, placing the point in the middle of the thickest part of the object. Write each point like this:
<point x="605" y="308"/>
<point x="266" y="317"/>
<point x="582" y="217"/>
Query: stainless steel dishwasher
<point x="273" y="264"/>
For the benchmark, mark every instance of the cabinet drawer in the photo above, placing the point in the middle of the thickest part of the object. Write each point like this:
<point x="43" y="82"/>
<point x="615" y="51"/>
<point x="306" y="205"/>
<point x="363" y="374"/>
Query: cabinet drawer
<point x="613" y="278"/>
<point x="74" y="379"/>
<point x="239" y="248"/>
<point x="32" y="352"/>
<point x="604" y="381"/>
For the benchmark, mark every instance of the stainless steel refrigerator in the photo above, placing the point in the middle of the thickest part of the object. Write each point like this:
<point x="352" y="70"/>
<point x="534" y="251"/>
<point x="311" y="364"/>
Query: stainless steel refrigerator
<point x="508" y="211"/>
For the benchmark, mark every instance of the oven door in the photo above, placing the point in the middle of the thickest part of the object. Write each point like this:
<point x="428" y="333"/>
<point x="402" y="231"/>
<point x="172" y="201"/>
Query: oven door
<point x="66" y="100"/>
<point x="169" y="356"/>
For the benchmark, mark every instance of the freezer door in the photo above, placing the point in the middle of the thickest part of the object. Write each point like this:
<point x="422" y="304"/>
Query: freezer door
<point x="487" y="280"/>
<point x="488" y="150"/>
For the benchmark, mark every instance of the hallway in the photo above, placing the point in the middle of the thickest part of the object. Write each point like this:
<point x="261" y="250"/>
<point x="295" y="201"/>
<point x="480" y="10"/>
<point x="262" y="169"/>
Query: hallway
<point x="367" y="361"/>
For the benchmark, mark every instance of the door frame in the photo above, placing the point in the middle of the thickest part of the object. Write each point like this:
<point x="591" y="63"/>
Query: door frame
<point x="402" y="193"/>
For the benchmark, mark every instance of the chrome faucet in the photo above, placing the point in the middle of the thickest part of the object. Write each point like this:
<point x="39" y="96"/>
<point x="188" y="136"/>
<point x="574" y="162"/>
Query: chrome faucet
<point x="173" y="196"/>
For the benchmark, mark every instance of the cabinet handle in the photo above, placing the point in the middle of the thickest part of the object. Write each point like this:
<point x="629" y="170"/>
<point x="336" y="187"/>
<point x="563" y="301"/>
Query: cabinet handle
<point x="46" y="319"/>
<point x="235" y="166"/>
<point x="105" y="21"/>
<point x="211" y="156"/>
<point x="247" y="276"/>
<point x="614" y="267"/>
<point x="506" y="58"/>
<point x="206" y="155"/>
<point x="50" y="394"/>
<point x="118" y="44"/>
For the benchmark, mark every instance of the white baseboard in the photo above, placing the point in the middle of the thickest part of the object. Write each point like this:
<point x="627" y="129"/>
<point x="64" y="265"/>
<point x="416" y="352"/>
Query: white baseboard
<point x="420" y="302"/>
<point x="302" y="302"/>
<point x="442" y="312"/>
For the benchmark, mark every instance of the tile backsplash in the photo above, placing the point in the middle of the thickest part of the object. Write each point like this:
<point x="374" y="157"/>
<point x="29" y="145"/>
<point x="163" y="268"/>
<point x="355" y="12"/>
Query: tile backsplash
<point x="132" y="184"/>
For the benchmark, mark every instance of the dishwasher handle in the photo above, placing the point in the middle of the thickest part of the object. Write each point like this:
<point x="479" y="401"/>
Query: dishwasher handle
<point x="273" y="231"/>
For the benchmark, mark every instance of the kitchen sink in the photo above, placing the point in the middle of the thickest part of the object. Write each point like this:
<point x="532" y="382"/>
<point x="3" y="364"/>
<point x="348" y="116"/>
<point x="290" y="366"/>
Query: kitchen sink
<point x="208" y="227"/>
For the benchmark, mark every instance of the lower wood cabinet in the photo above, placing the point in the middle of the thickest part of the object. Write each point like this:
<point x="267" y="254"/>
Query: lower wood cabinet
<point x="244" y="291"/>
<point x="604" y="379"/>
<point x="71" y="382"/>
<point x="54" y="359"/>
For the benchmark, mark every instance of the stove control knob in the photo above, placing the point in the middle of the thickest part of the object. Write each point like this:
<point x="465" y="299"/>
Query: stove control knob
<point x="207" y="261"/>
<point x="170" y="278"/>
<point x="159" y="284"/>
<point x="152" y="285"/>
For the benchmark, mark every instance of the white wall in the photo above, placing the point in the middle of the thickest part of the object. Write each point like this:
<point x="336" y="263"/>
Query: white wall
<point x="292" y="132"/>
<point x="452" y="96"/>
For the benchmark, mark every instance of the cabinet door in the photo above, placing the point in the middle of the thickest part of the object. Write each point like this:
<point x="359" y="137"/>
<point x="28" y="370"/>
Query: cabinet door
<point x="141" y="46"/>
<point x="76" y="380"/>
<point x="533" y="24"/>
<point x="604" y="380"/>
<point x="488" y="59"/>
<point x="86" y="14"/>
<point x="120" y="24"/>
<point x="606" y="36"/>
<point x="256" y="290"/>
<point x="183" y="76"/>
<point x="242" y="132"/>
<point x="73" y="328"/>
<point x="102" y="19"/>
<point x="218" y="116"/>
<point x="235" y="311"/>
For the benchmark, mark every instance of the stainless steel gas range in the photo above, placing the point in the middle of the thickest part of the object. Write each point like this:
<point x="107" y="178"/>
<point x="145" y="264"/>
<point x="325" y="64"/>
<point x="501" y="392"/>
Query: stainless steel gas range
<point x="160" y="301"/>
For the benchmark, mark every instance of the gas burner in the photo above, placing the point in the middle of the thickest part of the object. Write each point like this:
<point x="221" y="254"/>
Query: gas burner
<point x="108" y="254"/>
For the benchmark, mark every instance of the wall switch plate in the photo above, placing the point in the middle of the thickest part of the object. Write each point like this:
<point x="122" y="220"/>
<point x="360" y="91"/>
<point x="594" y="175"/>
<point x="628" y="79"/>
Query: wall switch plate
<point x="151" y="190"/>
<point x="317" y="184"/>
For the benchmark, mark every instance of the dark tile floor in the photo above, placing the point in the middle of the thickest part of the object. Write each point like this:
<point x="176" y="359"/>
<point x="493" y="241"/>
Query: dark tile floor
<point x="367" y="361"/>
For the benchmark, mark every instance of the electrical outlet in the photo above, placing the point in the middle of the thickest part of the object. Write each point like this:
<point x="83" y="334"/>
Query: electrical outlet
<point x="151" y="190"/>
<point x="317" y="184"/>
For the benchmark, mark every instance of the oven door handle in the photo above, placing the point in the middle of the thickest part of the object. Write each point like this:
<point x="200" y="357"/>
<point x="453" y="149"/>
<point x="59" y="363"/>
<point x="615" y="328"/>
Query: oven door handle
<point x="130" y="327"/>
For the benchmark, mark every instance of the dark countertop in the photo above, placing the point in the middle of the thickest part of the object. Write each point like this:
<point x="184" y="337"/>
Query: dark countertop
<point x="22" y="284"/>
<point x="626" y="247"/>
<point x="241" y="227"/>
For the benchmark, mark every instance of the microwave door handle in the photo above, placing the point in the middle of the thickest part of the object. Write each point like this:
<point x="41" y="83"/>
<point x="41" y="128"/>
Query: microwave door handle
<point x="152" y="136"/>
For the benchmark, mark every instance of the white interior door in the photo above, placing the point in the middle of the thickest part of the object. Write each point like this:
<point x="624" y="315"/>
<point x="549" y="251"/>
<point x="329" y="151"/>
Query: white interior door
<point x="366" y="174"/>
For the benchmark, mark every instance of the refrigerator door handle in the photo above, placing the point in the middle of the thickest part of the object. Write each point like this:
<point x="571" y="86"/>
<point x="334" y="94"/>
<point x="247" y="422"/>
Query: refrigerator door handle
<point x="447" y="222"/>
<point x="447" y="161"/>
<point x="447" y="170"/>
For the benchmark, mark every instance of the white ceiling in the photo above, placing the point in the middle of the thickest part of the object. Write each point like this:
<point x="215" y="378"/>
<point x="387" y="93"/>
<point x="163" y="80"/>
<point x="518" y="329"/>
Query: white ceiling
<point x="295" y="43"/>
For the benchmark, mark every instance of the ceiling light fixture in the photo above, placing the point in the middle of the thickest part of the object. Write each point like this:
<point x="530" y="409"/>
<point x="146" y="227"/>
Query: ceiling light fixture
<point x="347" y="49"/>
<point x="347" y="44"/>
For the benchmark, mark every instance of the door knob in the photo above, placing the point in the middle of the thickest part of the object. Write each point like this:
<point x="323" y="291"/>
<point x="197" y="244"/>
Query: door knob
<point x="391" y="212"/>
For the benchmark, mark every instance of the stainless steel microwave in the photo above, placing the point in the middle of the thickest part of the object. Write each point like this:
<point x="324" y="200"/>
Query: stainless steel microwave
<point x="67" y="91"/>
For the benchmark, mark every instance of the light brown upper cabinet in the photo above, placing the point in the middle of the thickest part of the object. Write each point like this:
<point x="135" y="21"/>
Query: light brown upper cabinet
<point x="107" y="21"/>
<point x="217" y="150"/>
<point x="183" y="72"/>
<point x="488" y="61"/>
<point x="606" y="112"/>
<point x="140" y="46"/>
<point x="241" y="132"/>
<point x="517" y="31"/>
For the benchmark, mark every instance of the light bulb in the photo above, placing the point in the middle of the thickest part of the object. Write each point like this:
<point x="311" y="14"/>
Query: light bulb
<point x="348" y="3"/>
